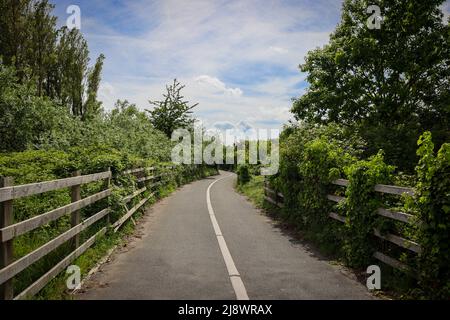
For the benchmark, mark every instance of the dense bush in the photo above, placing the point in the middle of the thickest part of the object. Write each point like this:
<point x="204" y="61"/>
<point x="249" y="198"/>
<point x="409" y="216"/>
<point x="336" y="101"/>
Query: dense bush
<point x="432" y="203"/>
<point x="28" y="121"/>
<point x="243" y="174"/>
<point x="360" y="207"/>
<point x="310" y="160"/>
<point x="313" y="157"/>
<point x="25" y="118"/>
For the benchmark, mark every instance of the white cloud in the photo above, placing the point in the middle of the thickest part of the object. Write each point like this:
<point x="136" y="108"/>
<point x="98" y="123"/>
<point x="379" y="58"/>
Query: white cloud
<point x="213" y="108"/>
<point x="242" y="130"/>
<point x="217" y="86"/>
<point x="107" y="94"/>
<point x="278" y="50"/>
<point x="238" y="59"/>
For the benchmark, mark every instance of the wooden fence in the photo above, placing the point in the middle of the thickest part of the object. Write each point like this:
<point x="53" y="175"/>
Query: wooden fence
<point x="9" y="230"/>
<point x="277" y="199"/>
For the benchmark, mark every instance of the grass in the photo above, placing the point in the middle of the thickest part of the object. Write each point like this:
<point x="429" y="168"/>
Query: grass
<point x="254" y="190"/>
<point x="56" y="289"/>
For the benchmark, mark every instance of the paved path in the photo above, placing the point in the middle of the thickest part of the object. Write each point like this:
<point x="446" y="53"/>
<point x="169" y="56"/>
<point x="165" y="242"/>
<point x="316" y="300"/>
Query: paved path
<point x="217" y="247"/>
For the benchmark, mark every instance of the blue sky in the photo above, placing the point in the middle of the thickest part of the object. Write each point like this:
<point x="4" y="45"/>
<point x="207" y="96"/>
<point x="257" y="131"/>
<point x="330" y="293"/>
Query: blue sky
<point x="238" y="59"/>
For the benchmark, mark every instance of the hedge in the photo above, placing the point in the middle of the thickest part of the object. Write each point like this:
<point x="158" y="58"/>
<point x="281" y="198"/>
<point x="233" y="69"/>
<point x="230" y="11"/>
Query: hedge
<point x="309" y="165"/>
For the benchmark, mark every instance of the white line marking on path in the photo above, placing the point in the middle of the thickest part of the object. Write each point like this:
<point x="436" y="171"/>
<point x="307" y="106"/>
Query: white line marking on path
<point x="235" y="277"/>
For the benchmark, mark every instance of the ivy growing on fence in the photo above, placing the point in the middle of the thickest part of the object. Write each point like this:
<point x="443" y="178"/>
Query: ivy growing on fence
<point x="311" y="160"/>
<point x="433" y="205"/>
<point x="360" y="207"/>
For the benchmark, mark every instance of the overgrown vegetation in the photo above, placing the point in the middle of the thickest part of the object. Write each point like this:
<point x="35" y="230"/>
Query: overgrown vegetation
<point x="360" y="207"/>
<point x="29" y="121"/>
<point x="432" y="203"/>
<point x="52" y="124"/>
<point x="254" y="190"/>
<point x="243" y="174"/>
<point x="308" y="168"/>
<point x="372" y="95"/>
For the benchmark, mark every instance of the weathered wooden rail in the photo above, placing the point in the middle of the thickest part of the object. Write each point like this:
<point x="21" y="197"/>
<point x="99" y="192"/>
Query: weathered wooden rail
<point x="278" y="199"/>
<point x="9" y="230"/>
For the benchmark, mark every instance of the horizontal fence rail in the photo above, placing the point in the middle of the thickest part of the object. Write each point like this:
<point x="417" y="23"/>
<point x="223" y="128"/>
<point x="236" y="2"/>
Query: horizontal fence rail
<point x="134" y="195"/>
<point x="128" y="215"/>
<point x="277" y="199"/>
<point x="138" y="170"/>
<point x="24" y="262"/>
<point x="392" y="262"/>
<point x="11" y="193"/>
<point x="145" y="178"/>
<point x="53" y="272"/>
<point x="25" y="226"/>
<point x="10" y="267"/>
<point x="399" y="216"/>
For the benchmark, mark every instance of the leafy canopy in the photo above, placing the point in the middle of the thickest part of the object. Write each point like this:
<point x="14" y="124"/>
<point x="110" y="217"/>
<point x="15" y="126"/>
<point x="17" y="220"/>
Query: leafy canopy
<point x="389" y="85"/>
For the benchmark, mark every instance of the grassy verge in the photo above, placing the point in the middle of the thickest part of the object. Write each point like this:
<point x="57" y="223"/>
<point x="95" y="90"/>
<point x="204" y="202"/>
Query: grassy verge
<point x="254" y="190"/>
<point x="57" y="290"/>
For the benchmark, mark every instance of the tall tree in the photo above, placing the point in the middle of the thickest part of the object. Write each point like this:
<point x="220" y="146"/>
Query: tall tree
<point x="92" y="106"/>
<point x="57" y="60"/>
<point x="388" y="84"/>
<point x="14" y="32"/>
<point x="73" y="62"/>
<point x="173" y="112"/>
<point x="41" y="44"/>
<point x="28" y="38"/>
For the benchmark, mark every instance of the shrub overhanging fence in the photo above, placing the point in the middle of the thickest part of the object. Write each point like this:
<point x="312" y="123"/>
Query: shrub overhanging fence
<point x="146" y="179"/>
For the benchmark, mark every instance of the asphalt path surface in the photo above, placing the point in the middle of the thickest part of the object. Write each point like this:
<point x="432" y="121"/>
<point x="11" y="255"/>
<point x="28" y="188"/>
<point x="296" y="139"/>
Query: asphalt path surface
<point x="206" y="241"/>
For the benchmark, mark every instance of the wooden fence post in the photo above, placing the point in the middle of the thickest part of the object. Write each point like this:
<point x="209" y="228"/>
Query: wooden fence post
<point x="6" y="249"/>
<point x="75" y="217"/>
<point x="107" y="186"/>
